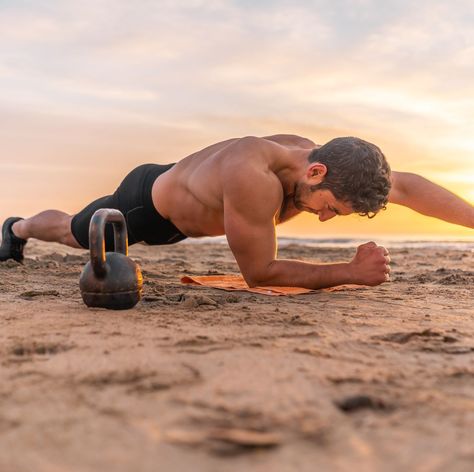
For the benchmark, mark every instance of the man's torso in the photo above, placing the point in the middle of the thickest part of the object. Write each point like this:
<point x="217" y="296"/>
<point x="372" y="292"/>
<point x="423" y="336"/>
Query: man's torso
<point x="191" y="193"/>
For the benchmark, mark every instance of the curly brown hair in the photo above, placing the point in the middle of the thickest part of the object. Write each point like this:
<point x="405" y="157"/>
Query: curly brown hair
<point x="357" y="173"/>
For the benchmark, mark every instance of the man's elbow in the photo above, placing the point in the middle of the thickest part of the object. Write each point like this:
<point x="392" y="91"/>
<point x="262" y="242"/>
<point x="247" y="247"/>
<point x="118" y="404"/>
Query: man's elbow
<point x="253" y="280"/>
<point x="260" y="278"/>
<point x="256" y="282"/>
<point x="252" y="283"/>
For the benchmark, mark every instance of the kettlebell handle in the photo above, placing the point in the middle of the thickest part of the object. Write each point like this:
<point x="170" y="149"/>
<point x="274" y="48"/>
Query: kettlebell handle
<point x="97" y="237"/>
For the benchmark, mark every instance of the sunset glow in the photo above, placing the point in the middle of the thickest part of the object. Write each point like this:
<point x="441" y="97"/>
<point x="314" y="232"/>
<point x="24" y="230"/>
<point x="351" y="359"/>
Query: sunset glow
<point x="90" y="89"/>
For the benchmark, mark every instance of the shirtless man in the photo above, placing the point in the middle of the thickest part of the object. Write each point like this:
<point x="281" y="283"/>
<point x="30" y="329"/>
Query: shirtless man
<point x="242" y="188"/>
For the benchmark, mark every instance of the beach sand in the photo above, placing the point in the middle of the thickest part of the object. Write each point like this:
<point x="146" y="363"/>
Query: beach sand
<point x="201" y="379"/>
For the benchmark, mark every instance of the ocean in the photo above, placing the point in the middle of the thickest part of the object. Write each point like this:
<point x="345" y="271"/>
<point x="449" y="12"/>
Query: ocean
<point x="398" y="241"/>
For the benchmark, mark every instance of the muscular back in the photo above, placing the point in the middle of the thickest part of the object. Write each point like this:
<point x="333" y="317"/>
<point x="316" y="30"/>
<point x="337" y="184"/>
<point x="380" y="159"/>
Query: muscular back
<point x="191" y="194"/>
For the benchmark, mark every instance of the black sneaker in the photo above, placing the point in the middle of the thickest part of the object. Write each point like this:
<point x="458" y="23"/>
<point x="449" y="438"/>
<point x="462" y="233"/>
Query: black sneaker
<point x="12" y="246"/>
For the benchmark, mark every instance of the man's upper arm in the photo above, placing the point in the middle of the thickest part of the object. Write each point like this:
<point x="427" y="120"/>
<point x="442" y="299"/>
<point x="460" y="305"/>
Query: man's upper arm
<point x="251" y="199"/>
<point x="397" y="192"/>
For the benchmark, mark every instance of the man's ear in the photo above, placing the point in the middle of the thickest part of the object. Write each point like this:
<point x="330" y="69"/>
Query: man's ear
<point x="316" y="172"/>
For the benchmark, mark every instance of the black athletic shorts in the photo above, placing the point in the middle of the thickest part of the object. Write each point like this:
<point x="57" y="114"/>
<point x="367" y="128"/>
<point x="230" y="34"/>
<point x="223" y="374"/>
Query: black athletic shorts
<point x="133" y="198"/>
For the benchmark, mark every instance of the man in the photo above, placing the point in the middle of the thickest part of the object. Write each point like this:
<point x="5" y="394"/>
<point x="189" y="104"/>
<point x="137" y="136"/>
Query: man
<point x="243" y="188"/>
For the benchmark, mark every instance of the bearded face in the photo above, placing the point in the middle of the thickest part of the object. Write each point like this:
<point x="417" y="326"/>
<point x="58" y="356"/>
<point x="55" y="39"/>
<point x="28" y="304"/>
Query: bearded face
<point x="302" y="195"/>
<point x="320" y="202"/>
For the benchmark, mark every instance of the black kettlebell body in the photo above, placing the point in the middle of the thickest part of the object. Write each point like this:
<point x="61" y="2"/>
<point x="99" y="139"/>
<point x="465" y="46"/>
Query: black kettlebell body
<point x="110" y="280"/>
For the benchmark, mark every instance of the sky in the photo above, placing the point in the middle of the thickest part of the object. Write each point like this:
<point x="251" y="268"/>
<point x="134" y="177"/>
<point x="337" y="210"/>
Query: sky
<point x="91" y="89"/>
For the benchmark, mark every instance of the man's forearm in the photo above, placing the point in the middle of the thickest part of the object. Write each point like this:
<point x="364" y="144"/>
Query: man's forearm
<point x="430" y="199"/>
<point x="289" y="273"/>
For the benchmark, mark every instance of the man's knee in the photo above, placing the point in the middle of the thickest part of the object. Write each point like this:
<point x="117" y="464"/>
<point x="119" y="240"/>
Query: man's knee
<point x="67" y="237"/>
<point x="71" y="241"/>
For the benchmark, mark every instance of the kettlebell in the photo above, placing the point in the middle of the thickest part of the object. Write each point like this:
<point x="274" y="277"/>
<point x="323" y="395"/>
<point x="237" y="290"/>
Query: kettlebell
<point x="110" y="280"/>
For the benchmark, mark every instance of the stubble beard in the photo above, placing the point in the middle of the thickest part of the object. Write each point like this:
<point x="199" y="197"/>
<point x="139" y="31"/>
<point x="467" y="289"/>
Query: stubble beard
<point x="299" y="194"/>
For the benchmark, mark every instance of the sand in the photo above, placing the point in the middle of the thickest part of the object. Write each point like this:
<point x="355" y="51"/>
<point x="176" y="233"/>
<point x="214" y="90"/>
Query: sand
<point x="200" y="379"/>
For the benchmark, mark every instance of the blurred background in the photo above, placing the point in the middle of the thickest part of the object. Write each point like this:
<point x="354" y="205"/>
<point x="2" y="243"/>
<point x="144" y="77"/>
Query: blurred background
<point x="90" y="89"/>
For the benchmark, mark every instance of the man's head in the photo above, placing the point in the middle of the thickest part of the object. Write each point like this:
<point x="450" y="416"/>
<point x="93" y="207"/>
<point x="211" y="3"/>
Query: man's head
<point x="345" y="175"/>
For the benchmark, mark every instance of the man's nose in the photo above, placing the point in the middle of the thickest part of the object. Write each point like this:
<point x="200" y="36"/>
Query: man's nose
<point x="326" y="215"/>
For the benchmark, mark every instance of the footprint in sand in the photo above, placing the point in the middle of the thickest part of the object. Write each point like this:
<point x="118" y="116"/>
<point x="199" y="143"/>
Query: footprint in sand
<point x="426" y="340"/>
<point x="34" y="294"/>
<point x="354" y="403"/>
<point x="405" y="337"/>
<point x="29" y="349"/>
<point x="138" y="380"/>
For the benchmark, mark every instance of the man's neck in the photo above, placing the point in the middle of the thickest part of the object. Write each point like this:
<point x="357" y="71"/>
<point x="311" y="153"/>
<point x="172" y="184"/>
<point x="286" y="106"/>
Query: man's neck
<point x="292" y="169"/>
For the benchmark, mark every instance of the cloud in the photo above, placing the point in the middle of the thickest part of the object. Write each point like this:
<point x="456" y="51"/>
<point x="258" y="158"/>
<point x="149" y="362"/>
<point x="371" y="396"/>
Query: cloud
<point x="187" y="49"/>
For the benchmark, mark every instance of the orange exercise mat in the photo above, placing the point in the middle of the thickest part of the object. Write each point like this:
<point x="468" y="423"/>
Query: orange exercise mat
<point x="237" y="282"/>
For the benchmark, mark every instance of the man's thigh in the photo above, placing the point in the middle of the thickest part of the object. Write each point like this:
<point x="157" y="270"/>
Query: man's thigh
<point x="68" y="237"/>
<point x="80" y="222"/>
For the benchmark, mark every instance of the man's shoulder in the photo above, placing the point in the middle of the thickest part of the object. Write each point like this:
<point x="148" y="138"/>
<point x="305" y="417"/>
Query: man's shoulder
<point x="291" y="140"/>
<point x="252" y="151"/>
<point x="253" y="143"/>
<point x="279" y="143"/>
<point x="246" y="172"/>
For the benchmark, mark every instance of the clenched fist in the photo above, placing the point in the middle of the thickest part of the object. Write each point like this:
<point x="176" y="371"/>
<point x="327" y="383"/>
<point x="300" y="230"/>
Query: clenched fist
<point x="370" y="265"/>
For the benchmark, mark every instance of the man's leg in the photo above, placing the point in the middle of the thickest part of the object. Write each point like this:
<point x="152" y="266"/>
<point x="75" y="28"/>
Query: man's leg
<point x="73" y="230"/>
<point x="49" y="225"/>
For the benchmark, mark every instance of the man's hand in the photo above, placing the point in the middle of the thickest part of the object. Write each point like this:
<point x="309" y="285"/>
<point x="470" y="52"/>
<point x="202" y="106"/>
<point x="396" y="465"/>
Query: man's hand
<point x="370" y="265"/>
